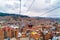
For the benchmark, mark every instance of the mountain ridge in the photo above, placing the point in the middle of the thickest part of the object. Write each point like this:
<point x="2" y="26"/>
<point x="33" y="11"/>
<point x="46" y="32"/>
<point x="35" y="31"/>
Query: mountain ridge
<point x="24" y="16"/>
<point x="14" y="15"/>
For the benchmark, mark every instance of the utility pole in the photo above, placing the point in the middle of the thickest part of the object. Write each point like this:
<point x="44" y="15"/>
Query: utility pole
<point x="19" y="21"/>
<point x="20" y="6"/>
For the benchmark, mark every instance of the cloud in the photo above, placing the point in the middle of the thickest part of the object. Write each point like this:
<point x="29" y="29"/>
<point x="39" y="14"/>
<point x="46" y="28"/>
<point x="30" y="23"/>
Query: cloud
<point x="41" y="8"/>
<point x="35" y="14"/>
<point x="47" y="9"/>
<point x="55" y="13"/>
<point x="9" y="6"/>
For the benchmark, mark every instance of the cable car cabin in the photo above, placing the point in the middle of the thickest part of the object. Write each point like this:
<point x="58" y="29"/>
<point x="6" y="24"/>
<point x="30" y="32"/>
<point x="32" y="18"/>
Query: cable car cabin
<point x="1" y="34"/>
<point x="30" y="25"/>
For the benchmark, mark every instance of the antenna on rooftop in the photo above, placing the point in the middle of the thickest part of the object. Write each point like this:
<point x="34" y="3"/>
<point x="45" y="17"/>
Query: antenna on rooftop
<point x="19" y="14"/>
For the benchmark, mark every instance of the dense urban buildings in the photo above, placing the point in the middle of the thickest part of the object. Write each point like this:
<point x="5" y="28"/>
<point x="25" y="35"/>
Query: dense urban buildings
<point x="29" y="27"/>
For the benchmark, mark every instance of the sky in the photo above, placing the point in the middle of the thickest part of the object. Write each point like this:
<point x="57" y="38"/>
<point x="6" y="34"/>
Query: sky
<point x="32" y="8"/>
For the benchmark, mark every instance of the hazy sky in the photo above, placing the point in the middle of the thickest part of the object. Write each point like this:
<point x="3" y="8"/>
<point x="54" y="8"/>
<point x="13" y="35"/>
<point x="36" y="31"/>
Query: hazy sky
<point x="41" y="8"/>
